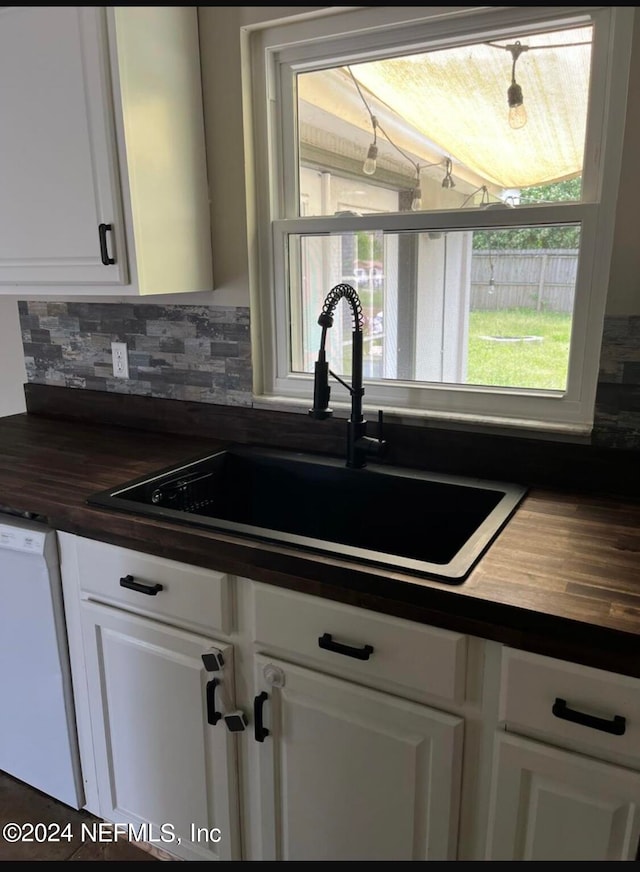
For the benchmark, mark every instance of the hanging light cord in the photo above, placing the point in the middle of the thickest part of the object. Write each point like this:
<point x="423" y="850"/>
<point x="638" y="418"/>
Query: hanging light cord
<point x="515" y="54"/>
<point x="485" y="196"/>
<point x="492" y="281"/>
<point x="517" y="49"/>
<point x="535" y="47"/>
<point x="377" y="126"/>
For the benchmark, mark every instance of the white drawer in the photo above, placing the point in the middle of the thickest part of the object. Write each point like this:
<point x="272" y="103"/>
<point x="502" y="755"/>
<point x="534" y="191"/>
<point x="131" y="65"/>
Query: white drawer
<point x="187" y="596"/>
<point x="379" y="650"/>
<point x="575" y="706"/>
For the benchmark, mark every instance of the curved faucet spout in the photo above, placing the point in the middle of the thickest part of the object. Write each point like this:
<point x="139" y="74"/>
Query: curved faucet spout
<point x="359" y="445"/>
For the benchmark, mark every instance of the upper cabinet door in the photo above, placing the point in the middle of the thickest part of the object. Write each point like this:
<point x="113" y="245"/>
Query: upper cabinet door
<point x="103" y="178"/>
<point x="58" y="163"/>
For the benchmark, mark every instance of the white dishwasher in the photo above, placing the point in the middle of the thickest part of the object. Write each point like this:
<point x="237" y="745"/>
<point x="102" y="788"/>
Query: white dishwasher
<point x="38" y="740"/>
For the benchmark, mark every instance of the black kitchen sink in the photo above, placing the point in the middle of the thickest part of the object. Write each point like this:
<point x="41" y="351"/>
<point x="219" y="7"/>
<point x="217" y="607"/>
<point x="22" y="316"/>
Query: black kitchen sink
<point x="403" y="519"/>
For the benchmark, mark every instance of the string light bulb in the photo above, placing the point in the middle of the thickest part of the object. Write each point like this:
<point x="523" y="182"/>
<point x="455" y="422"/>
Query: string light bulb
<point x="416" y="196"/>
<point x="517" y="112"/>
<point x="515" y="98"/>
<point x="370" y="164"/>
<point x="448" y="182"/>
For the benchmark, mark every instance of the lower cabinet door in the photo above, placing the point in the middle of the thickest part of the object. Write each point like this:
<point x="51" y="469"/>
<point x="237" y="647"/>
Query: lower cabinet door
<point x="348" y="773"/>
<point x="550" y="804"/>
<point x="166" y="773"/>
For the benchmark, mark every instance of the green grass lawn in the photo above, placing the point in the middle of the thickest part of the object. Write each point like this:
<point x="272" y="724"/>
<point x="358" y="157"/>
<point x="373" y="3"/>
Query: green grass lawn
<point x="531" y="364"/>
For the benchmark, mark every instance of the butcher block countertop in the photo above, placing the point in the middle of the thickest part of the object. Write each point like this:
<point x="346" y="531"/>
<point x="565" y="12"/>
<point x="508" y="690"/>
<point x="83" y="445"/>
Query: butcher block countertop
<point x="562" y="578"/>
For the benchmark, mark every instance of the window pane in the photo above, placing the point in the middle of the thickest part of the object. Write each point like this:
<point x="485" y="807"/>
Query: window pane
<point x="474" y="307"/>
<point x="439" y="125"/>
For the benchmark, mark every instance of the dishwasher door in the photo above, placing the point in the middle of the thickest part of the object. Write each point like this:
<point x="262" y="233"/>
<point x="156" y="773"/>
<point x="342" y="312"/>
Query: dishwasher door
<point x="38" y="739"/>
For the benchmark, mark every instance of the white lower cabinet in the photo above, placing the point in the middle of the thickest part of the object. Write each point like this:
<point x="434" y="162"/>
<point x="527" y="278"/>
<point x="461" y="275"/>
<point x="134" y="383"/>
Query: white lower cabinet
<point x="550" y="804"/>
<point x="153" y="670"/>
<point x="222" y="718"/>
<point x="341" y="756"/>
<point x="165" y="763"/>
<point x="349" y="773"/>
<point x="566" y="767"/>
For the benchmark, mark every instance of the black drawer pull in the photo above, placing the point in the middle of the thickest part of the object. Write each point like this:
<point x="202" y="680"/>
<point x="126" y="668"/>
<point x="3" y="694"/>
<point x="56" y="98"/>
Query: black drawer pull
<point x="213" y="716"/>
<point x="325" y="641"/>
<point x="616" y="726"/>
<point x="260" y="731"/>
<point x="141" y="586"/>
<point x="104" y="251"/>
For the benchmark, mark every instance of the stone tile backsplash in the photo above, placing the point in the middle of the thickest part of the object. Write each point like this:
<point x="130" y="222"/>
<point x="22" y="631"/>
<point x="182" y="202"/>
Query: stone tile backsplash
<point x="196" y="353"/>
<point x="617" y="415"/>
<point x="203" y="354"/>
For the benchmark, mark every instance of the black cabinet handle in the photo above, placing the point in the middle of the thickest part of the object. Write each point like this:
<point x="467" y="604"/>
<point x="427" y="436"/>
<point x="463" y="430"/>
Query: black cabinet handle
<point x="325" y="641"/>
<point x="141" y="586"/>
<point x="616" y="726"/>
<point x="104" y="252"/>
<point x="213" y="716"/>
<point x="260" y="731"/>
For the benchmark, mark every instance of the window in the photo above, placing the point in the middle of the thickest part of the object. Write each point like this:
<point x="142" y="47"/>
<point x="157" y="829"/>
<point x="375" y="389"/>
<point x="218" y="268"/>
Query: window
<point x="458" y="167"/>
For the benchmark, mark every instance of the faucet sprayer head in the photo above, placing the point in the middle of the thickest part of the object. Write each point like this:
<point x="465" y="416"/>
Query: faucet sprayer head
<point x="321" y="389"/>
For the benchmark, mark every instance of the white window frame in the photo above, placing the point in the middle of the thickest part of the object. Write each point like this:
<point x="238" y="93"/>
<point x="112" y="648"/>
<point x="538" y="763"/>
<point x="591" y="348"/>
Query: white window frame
<point x="361" y="33"/>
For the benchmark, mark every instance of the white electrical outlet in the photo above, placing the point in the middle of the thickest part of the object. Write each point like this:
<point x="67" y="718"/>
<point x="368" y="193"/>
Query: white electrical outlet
<point x="120" y="359"/>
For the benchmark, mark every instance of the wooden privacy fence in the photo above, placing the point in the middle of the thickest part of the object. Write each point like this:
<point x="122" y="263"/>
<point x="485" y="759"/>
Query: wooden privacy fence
<point x="542" y="280"/>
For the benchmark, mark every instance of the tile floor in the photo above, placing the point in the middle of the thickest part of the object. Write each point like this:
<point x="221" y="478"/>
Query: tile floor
<point x="21" y="804"/>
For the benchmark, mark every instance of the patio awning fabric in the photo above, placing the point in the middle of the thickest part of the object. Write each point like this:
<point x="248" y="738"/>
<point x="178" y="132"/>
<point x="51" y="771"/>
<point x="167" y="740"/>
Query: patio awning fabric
<point x="454" y="102"/>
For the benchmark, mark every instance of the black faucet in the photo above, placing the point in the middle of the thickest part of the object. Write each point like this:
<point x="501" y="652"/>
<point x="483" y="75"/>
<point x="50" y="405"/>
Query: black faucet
<point x="359" y="445"/>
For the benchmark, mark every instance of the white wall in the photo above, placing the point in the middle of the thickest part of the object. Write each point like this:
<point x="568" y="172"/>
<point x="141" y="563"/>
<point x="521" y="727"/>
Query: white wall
<point x="222" y="95"/>
<point x="12" y="371"/>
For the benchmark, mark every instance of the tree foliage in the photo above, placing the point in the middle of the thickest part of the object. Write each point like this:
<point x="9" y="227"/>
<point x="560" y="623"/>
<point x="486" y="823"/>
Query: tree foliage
<point x="536" y="237"/>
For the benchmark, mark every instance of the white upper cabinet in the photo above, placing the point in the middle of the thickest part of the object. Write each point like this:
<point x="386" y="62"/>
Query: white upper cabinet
<point x="103" y="183"/>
